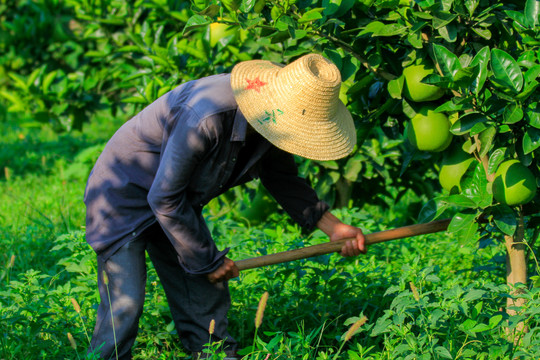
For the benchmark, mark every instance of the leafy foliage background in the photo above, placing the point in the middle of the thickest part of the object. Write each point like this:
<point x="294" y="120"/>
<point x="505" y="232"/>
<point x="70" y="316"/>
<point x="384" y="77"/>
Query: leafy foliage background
<point x="78" y="67"/>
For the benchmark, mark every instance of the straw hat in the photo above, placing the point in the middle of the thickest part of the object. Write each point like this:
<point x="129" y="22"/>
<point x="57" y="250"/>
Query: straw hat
<point x="296" y="107"/>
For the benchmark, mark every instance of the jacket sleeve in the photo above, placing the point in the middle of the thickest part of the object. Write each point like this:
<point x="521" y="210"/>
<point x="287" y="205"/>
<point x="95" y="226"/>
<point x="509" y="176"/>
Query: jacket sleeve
<point x="187" y="146"/>
<point x="279" y="175"/>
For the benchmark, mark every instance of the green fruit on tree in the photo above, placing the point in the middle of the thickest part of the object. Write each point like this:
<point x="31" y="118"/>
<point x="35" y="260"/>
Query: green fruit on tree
<point x="514" y="183"/>
<point x="414" y="89"/>
<point x="429" y="130"/>
<point x="261" y="206"/>
<point x="218" y="31"/>
<point x="453" y="167"/>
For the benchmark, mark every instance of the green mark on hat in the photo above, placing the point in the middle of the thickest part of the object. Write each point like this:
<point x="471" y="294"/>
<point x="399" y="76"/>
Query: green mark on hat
<point x="270" y="116"/>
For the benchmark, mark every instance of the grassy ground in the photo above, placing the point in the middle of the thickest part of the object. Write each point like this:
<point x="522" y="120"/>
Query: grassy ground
<point x="428" y="297"/>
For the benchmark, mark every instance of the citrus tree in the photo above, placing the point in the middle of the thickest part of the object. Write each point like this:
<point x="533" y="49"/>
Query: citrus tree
<point x="455" y="80"/>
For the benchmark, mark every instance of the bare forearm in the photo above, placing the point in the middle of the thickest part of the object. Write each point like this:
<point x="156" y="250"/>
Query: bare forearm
<point x="328" y="223"/>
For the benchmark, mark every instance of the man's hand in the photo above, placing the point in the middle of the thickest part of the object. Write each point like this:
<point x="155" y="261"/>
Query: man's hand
<point x="226" y="271"/>
<point x="337" y="230"/>
<point x="351" y="247"/>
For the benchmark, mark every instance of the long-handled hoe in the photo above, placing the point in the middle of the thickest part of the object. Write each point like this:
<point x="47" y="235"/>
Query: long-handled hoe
<point x="334" y="246"/>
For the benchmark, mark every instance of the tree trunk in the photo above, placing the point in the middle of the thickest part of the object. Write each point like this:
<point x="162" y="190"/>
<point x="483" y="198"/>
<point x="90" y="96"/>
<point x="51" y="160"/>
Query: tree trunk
<point x="343" y="193"/>
<point x="516" y="272"/>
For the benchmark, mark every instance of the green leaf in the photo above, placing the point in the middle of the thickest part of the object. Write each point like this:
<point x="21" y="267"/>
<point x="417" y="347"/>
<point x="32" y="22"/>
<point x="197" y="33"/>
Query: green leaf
<point x="371" y="28"/>
<point x="448" y="62"/>
<point x="471" y="6"/>
<point x="486" y="140"/>
<point x="442" y="19"/>
<point x="34" y="75"/>
<point x="495" y="320"/>
<point x="482" y="32"/>
<point x="450" y="107"/>
<point x="334" y="56"/>
<point x="481" y="59"/>
<point x="512" y="114"/>
<point x="19" y="81"/>
<point x="47" y="81"/>
<point x="119" y="21"/>
<point x="468" y="232"/>
<point x="532" y="73"/>
<point x="352" y="169"/>
<point x="475" y="186"/>
<point x="480" y="328"/>
<point x="408" y="156"/>
<point x="477" y="128"/>
<point x="349" y="66"/>
<point x="496" y="158"/>
<point x="130" y="48"/>
<point x="474" y="294"/>
<point x="506" y="70"/>
<point x="196" y="21"/>
<point x="285" y="22"/>
<point x="463" y="221"/>
<point x="16" y="103"/>
<point x="337" y="11"/>
<point x="159" y="60"/>
<point x="432" y="210"/>
<point x="449" y="33"/>
<point x="425" y="3"/>
<point x="466" y="122"/>
<point x="391" y="30"/>
<point x="517" y="16"/>
<point x="532" y="13"/>
<point x="311" y="15"/>
<point x="135" y="100"/>
<point x="395" y="87"/>
<point x="465" y="77"/>
<point x="468" y="146"/>
<point x="531" y="140"/>
<point x="246" y="6"/>
<point x="408" y="109"/>
<point x="330" y="7"/>
<point x="443" y="353"/>
<point x="415" y="39"/>
<point x="468" y="324"/>
<point x="505" y="219"/>
<point x="386" y="4"/>
<point x="381" y="326"/>
<point x="533" y="115"/>
<point x="460" y="200"/>
<point x="530" y="88"/>
<point x="211" y="10"/>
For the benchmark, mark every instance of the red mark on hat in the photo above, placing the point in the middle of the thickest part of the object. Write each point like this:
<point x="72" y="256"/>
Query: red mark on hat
<point x="255" y="84"/>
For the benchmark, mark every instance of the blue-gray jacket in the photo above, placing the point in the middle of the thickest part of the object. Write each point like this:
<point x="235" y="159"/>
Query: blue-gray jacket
<point x="171" y="159"/>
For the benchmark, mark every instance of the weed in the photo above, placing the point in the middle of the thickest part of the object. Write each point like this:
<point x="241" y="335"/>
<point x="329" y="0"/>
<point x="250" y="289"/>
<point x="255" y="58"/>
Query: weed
<point x="425" y="297"/>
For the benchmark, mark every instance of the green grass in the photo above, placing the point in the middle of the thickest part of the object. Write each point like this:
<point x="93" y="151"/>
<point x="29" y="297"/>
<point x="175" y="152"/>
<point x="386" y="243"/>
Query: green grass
<point x="428" y="297"/>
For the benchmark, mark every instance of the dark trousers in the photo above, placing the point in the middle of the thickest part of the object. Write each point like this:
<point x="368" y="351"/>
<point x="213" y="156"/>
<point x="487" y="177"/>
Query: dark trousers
<point x="192" y="299"/>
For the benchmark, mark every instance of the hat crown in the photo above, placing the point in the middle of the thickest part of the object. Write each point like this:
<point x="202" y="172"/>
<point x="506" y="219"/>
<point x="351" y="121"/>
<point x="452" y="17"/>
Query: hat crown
<point x="314" y="68"/>
<point x="312" y="76"/>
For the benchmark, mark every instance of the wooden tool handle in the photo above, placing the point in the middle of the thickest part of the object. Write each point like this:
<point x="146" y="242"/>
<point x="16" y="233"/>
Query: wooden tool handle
<point x="334" y="246"/>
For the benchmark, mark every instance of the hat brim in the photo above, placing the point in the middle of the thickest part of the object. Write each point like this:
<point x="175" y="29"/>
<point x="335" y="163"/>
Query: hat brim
<point x="282" y="113"/>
